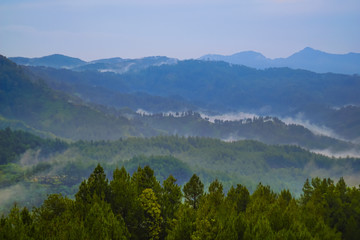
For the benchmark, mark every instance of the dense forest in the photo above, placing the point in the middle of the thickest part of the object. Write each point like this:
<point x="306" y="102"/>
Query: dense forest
<point x="32" y="167"/>
<point x="139" y="207"/>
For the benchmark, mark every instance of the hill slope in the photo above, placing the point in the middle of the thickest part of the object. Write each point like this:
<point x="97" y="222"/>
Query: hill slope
<point x="55" y="60"/>
<point x="32" y="102"/>
<point x="217" y="86"/>
<point x="116" y="65"/>
<point x="35" y="166"/>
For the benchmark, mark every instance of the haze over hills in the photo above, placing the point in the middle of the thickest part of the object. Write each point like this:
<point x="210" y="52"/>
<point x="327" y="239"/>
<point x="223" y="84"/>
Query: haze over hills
<point x="55" y="61"/>
<point x="219" y="87"/>
<point x="95" y="113"/>
<point x="308" y="59"/>
<point x="53" y="112"/>
<point x="129" y="131"/>
<point x="28" y="102"/>
<point x="116" y="65"/>
<point x="37" y="166"/>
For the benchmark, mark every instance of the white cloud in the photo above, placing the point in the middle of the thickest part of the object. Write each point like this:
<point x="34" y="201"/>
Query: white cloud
<point x="316" y="129"/>
<point x="355" y="153"/>
<point x="13" y="193"/>
<point x="229" y="116"/>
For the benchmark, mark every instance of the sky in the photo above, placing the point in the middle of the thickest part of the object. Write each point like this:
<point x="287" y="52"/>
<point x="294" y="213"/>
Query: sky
<point x="95" y="29"/>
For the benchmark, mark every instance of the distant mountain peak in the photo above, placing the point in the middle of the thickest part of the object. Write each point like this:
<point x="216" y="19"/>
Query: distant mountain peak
<point x="54" y="60"/>
<point x="56" y="55"/>
<point x="249" y="54"/>
<point x="308" y="59"/>
<point x="308" y="49"/>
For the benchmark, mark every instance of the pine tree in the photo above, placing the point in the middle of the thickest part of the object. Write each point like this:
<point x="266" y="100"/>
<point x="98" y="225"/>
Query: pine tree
<point x="152" y="212"/>
<point x="170" y="202"/>
<point x="193" y="191"/>
<point x="307" y="192"/>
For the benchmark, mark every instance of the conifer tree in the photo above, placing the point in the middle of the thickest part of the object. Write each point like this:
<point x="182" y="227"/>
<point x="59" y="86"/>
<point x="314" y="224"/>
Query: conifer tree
<point x="193" y="191"/>
<point x="153" y="219"/>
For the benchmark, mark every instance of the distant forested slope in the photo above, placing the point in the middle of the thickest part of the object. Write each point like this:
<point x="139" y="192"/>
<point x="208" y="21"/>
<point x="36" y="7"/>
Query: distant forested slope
<point x="29" y="104"/>
<point x="220" y="87"/>
<point x="31" y="101"/>
<point x="238" y="87"/>
<point x="32" y="167"/>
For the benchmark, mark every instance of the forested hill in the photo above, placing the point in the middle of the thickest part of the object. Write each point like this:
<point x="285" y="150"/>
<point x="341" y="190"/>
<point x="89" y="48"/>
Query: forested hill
<point x="138" y="206"/>
<point x="28" y="103"/>
<point x="269" y="130"/>
<point x="29" y="100"/>
<point x="320" y="99"/>
<point x="222" y="86"/>
<point x="32" y="167"/>
<point x="231" y="86"/>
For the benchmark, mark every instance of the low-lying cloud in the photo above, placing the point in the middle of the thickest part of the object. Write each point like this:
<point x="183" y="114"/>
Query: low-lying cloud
<point x="228" y="116"/>
<point x="316" y="129"/>
<point x="339" y="170"/>
<point x="11" y="194"/>
<point x="354" y="153"/>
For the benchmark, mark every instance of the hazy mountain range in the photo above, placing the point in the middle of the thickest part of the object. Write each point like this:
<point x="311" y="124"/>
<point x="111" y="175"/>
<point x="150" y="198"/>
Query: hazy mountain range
<point x="116" y="65"/>
<point x="308" y="59"/>
<point x="96" y="105"/>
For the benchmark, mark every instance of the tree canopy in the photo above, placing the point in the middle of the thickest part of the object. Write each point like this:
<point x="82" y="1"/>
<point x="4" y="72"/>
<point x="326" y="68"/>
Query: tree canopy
<point x="138" y="207"/>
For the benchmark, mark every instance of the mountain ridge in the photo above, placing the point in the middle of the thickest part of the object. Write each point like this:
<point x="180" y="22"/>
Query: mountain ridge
<point x="116" y="64"/>
<point x="307" y="59"/>
<point x="54" y="60"/>
<point x="38" y="106"/>
<point x="219" y="87"/>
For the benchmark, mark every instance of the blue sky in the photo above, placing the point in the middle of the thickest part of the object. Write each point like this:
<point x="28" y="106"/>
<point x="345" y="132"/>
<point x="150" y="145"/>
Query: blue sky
<point x="93" y="29"/>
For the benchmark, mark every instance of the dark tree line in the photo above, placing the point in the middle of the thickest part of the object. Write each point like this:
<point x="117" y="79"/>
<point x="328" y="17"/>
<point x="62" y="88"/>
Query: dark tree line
<point x="14" y="143"/>
<point x="139" y="207"/>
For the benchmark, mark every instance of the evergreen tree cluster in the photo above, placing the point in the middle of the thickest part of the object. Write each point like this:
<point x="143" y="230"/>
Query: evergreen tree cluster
<point x="14" y="143"/>
<point x="139" y="207"/>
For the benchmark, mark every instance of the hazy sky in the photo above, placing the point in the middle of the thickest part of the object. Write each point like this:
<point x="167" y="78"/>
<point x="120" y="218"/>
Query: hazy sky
<point x="93" y="29"/>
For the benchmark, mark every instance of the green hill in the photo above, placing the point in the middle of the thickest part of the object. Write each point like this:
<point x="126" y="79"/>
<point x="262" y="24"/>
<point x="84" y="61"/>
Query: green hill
<point x="29" y="104"/>
<point x="25" y="98"/>
<point x="33" y="167"/>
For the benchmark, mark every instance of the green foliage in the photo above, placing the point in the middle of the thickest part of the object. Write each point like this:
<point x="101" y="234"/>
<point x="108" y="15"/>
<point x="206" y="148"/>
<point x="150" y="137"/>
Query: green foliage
<point x="29" y="100"/>
<point x="193" y="191"/>
<point x="170" y="202"/>
<point x="14" y="143"/>
<point x="124" y="200"/>
<point x="324" y="211"/>
<point x="62" y="167"/>
<point x="144" y="178"/>
<point x="101" y="223"/>
<point x="332" y="203"/>
<point x="152" y="212"/>
<point x="238" y="198"/>
<point x="162" y="165"/>
<point x="184" y="224"/>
